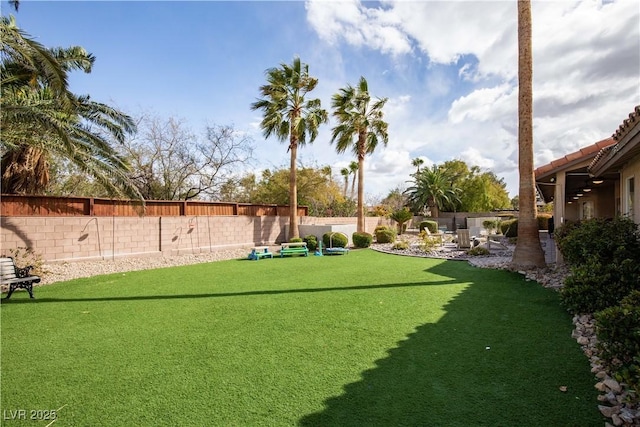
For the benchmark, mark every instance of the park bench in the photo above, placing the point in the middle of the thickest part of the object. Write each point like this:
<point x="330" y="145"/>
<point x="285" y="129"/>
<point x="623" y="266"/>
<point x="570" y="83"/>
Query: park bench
<point x="294" y="248"/>
<point x="16" y="277"/>
<point x="260" y="252"/>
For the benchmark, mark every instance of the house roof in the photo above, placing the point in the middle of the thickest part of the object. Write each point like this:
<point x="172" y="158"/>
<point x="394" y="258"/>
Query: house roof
<point x="570" y="159"/>
<point x="627" y="138"/>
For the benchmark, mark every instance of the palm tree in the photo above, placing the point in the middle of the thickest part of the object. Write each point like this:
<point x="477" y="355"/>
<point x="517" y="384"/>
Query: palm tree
<point x="345" y="172"/>
<point x="288" y="116"/>
<point x="528" y="252"/>
<point x="328" y="172"/>
<point x="432" y="189"/>
<point x="358" y="118"/>
<point x="353" y="169"/>
<point x="417" y="162"/>
<point x="42" y="119"/>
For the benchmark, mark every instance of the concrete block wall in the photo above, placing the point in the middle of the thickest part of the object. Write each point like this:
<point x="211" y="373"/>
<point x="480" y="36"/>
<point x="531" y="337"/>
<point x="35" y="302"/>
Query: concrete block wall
<point x="85" y="238"/>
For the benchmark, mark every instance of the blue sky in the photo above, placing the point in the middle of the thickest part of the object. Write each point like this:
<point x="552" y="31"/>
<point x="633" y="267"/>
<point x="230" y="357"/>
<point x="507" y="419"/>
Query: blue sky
<point x="449" y="69"/>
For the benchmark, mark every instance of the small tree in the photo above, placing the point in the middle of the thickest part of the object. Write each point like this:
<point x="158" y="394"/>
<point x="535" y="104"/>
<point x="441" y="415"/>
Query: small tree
<point x="401" y="216"/>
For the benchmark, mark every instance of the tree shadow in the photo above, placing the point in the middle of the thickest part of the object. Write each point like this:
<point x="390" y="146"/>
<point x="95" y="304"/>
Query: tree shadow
<point x="6" y="223"/>
<point x="222" y="294"/>
<point x="498" y="357"/>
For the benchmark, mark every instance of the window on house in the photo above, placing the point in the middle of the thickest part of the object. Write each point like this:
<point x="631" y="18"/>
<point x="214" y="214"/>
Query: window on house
<point x="630" y="195"/>
<point x="587" y="210"/>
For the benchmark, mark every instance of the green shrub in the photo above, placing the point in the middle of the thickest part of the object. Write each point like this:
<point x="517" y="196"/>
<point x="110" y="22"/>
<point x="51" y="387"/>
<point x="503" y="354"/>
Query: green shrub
<point x="401" y="245"/>
<point x="295" y="240"/>
<point x="385" y="235"/>
<point x="429" y="242"/>
<point x="603" y="257"/>
<point x="379" y="228"/>
<point x="335" y="240"/>
<point x="432" y="226"/>
<point x="595" y="286"/>
<point x="606" y="240"/>
<point x="490" y="224"/>
<point x="401" y="216"/>
<point x="543" y="221"/>
<point x="478" y="251"/>
<point x="618" y="330"/>
<point x="509" y="227"/>
<point x="312" y="242"/>
<point x="361" y="239"/>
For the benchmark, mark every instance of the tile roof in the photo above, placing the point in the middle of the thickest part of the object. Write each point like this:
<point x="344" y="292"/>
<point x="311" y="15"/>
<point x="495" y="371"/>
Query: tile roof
<point x="627" y="124"/>
<point x="583" y="154"/>
<point x="606" y="155"/>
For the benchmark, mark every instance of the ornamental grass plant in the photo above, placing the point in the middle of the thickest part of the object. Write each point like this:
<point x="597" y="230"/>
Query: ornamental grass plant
<point x="366" y="339"/>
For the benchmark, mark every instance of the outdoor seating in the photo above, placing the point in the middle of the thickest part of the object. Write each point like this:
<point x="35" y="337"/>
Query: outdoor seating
<point x="464" y="239"/>
<point x="260" y="252"/>
<point x="294" y="248"/>
<point x="16" y="277"/>
<point x="439" y="236"/>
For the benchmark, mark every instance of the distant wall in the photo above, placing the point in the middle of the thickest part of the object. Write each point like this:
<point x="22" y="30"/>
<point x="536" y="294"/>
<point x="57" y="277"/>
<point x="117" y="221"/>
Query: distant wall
<point x="455" y="220"/>
<point x="107" y="237"/>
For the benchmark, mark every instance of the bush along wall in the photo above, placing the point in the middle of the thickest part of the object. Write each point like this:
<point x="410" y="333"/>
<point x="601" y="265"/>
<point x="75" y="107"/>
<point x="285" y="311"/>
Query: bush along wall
<point x="312" y="242"/>
<point x="385" y="234"/>
<point x="604" y="280"/>
<point x="431" y="225"/>
<point x="361" y="239"/>
<point x="602" y="255"/>
<point x="509" y="227"/>
<point x="334" y="240"/>
<point x="618" y="330"/>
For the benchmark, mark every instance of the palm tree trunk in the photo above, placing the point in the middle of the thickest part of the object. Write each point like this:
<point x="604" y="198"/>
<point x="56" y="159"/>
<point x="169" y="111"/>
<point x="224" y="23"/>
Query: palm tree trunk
<point x="528" y="252"/>
<point x="360" y="227"/>
<point x="353" y="183"/>
<point x="293" y="192"/>
<point x="361" y="153"/>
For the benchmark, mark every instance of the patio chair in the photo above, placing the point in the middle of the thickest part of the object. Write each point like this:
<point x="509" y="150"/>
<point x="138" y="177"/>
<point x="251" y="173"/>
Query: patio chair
<point x="464" y="239"/>
<point x="438" y="235"/>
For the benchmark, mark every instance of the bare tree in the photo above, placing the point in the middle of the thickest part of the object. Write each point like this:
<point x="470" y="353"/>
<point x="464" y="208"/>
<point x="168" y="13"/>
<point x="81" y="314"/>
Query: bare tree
<point x="171" y="163"/>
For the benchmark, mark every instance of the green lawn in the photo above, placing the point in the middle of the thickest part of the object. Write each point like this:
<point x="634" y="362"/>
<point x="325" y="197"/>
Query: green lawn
<point x="364" y="339"/>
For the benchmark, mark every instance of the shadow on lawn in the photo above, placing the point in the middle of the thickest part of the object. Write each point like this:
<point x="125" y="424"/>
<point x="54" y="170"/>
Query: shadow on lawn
<point x="225" y="294"/>
<point x="498" y="357"/>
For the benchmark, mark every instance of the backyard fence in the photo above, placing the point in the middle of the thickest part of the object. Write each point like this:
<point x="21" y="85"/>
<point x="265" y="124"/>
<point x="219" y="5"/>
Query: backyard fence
<point x="18" y="205"/>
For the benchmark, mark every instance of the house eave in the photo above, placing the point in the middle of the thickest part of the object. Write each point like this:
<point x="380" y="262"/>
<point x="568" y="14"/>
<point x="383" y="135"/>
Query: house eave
<point x="627" y="146"/>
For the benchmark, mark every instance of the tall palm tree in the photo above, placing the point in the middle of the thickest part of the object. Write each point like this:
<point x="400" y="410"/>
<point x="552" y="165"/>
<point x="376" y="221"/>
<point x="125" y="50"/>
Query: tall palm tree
<point x="358" y="117"/>
<point x="287" y="115"/>
<point x="431" y="189"/>
<point x="345" y="172"/>
<point x="42" y="119"/>
<point x="353" y="169"/>
<point x="417" y="162"/>
<point x="528" y="252"/>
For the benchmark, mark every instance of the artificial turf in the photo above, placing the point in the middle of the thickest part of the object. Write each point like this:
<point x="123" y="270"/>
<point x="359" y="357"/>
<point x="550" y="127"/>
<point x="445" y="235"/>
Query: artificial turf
<point x="360" y="339"/>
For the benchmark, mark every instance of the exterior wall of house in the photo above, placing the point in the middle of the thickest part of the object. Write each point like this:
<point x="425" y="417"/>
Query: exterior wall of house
<point x="85" y="238"/>
<point x="605" y="203"/>
<point x="631" y="170"/>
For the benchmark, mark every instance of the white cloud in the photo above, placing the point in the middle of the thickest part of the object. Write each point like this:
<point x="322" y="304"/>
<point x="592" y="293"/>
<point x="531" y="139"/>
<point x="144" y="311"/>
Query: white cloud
<point x="586" y="75"/>
<point x="483" y="104"/>
<point x="357" y="25"/>
<point x="473" y="157"/>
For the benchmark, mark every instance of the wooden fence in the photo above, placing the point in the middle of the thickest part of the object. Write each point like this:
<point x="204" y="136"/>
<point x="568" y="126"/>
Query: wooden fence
<point x="17" y="205"/>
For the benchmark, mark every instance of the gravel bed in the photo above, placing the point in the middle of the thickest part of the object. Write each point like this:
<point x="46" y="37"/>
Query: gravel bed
<point x="61" y="271"/>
